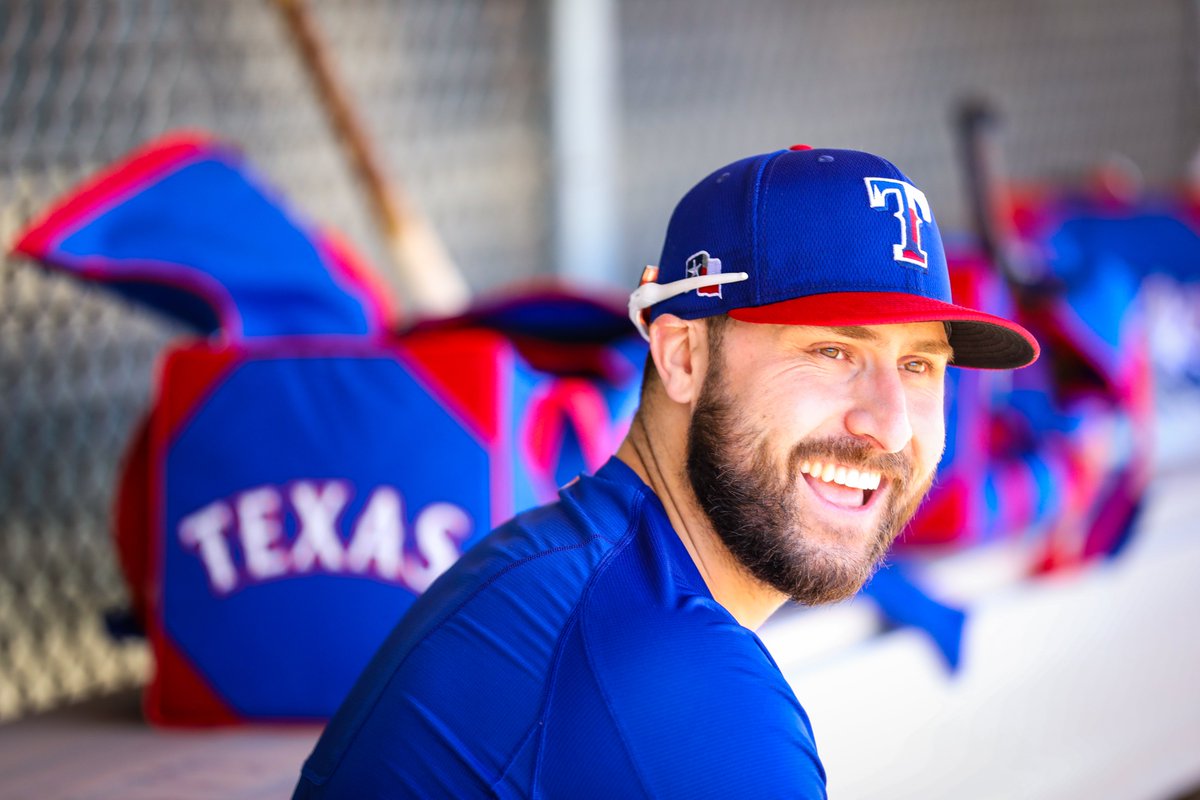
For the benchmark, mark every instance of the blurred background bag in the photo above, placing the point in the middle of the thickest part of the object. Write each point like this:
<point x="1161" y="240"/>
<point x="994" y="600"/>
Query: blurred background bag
<point x="305" y="472"/>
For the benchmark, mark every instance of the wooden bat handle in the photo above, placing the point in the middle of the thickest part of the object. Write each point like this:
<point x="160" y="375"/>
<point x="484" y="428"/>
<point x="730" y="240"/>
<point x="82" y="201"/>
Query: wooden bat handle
<point x="432" y="281"/>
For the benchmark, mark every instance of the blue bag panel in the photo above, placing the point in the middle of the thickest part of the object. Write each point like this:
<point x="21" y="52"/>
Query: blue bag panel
<point x="308" y="500"/>
<point x="184" y="226"/>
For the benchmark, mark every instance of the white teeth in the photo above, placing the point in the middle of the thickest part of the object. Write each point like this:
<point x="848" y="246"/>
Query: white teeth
<point x="846" y="476"/>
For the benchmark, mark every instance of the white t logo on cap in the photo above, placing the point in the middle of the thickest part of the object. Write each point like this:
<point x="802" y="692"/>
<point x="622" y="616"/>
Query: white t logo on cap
<point x="912" y="209"/>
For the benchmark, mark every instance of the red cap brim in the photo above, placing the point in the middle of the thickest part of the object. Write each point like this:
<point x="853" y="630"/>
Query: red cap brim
<point x="980" y="341"/>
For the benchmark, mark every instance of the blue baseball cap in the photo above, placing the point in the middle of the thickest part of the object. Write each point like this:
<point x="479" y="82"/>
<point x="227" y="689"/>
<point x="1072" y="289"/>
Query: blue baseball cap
<point x="817" y="237"/>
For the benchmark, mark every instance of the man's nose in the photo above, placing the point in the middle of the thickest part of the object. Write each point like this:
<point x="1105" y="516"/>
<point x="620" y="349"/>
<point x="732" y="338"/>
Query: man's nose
<point x="880" y="410"/>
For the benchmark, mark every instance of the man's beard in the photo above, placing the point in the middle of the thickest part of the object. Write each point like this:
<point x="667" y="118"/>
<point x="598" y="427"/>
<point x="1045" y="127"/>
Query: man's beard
<point x="752" y="501"/>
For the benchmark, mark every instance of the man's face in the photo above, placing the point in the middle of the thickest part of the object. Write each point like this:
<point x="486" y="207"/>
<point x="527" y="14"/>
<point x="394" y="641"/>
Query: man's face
<point x="795" y="425"/>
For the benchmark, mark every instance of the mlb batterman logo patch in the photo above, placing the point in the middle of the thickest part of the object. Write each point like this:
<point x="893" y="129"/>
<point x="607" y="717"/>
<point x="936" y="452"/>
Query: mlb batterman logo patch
<point x="912" y="209"/>
<point x="700" y="264"/>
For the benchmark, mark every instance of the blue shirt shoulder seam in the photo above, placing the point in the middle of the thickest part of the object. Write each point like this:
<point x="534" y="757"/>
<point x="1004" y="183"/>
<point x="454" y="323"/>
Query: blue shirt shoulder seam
<point x="320" y="780"/>
<point x="619" y="546"/>
<point x="635" y="523"/>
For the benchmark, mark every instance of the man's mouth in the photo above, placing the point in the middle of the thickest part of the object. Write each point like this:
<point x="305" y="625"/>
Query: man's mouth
<point x="840" y="485"/>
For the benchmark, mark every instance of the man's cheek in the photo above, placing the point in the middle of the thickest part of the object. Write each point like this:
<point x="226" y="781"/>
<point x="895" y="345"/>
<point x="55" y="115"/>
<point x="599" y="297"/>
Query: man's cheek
<point x="937" y="445"/>
<point x="930" y="446"/>
<point x="930" y="431"/>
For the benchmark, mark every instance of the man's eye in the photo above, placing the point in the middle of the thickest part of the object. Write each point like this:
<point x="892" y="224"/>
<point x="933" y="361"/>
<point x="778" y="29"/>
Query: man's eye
<point x="832" y="352"/>
<point x="916" y="365"/>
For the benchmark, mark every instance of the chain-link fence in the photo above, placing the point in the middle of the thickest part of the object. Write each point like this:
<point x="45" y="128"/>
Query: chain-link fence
<point x="455" y="92"/>
<point x="450" y="90"/>
<point x="708" y="81"/>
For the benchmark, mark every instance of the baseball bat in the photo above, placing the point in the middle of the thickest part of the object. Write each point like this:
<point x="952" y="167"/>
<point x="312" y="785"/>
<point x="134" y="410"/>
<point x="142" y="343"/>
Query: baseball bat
<point x="976" y="124"/>
<point x="432" y="281"/>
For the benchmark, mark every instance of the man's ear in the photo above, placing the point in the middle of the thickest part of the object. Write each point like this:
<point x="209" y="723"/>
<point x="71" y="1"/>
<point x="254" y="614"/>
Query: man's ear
<point x="678" y="349"/>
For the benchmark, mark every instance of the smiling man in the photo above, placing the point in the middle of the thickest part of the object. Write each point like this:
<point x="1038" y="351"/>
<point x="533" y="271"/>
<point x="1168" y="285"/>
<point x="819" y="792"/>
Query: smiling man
<point x="800" y="327"/>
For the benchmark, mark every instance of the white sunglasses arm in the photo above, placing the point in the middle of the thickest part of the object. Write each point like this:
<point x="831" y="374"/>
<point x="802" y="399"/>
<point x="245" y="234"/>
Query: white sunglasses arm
<point x="648" y="294"/>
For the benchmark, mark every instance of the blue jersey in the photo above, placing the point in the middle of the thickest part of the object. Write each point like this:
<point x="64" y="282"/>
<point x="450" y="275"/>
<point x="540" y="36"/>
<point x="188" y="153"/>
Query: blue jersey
<point x="575" y="652"/>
